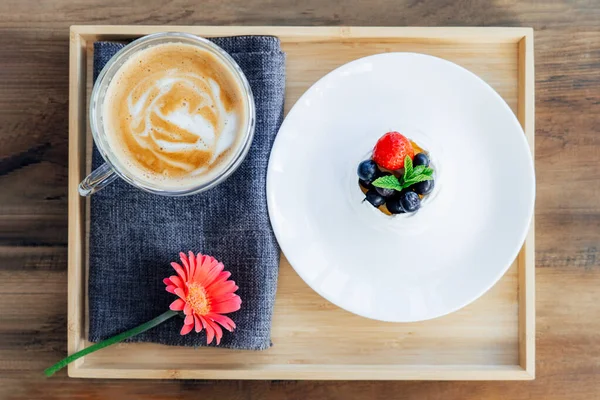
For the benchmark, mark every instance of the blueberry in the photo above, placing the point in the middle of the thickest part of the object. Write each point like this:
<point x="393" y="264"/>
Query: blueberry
<point x="368" y="171"/>
<point x="382" y="191"/>
<point x="375" y="198"/>
<point x="394" y="205"/>
<point x="365" y="184"/>
<point x="424" y="187"/>
<point x="385" y="192"/>
<point x="421" y="159"/>
<point x="410" y="201"/>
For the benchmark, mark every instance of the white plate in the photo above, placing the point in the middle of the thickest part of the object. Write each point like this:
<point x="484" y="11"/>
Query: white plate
<point x="404" y="268"/>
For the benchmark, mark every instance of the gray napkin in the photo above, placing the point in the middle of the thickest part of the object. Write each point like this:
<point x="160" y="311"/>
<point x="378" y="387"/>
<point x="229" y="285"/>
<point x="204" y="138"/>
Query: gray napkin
<point x="135" y="235"/>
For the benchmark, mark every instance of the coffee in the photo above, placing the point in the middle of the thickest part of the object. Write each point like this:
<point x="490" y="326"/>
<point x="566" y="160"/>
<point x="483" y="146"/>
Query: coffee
<point x="174" y="115"/>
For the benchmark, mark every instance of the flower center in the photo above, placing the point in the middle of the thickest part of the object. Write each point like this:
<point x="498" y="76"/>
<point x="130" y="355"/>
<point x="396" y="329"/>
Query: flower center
<point x="197" y="299"/>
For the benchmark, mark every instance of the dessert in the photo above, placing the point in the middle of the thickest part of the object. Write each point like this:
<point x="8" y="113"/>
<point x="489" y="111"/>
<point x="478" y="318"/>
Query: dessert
<point x="398" y="176"/>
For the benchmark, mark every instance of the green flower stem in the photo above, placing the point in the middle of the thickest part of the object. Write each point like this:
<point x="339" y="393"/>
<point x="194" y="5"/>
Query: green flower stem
<point x="115" y="339"/>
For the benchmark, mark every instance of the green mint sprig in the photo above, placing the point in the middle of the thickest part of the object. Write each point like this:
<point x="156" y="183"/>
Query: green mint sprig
<point x="388" y="182"/>
<point x="411" y="176"/>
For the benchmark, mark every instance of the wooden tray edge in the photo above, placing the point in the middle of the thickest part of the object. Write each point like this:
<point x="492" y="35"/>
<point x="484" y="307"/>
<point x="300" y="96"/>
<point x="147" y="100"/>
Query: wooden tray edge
<point x="526" y="115"/>
<point x="309" y="33"/>
<point x="311" y="372"/>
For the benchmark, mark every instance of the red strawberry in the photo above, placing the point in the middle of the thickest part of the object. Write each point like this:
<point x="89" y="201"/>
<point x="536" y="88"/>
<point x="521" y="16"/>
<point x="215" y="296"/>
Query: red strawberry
<point x="391" y="150"/>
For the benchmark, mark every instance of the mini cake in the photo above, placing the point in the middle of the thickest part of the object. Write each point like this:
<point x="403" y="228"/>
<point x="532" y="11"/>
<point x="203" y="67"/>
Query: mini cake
<point x="397" y="176"/>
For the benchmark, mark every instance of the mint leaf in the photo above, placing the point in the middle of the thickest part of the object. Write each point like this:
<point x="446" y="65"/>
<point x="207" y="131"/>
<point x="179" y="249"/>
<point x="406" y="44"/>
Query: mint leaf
<point x="408" y="167"/>
<point x="428" y="171"/>
<point x="388" y="182"/>
<point x="416" y="179"/>
<point x="418" y="170"/>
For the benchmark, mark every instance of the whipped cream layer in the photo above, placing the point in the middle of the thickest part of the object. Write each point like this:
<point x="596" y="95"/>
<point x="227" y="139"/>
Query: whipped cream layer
<point x="174" y="115"/>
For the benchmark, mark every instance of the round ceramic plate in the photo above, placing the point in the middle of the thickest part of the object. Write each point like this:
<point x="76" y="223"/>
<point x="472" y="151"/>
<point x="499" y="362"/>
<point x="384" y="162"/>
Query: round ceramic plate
<point x="406" y="267"/>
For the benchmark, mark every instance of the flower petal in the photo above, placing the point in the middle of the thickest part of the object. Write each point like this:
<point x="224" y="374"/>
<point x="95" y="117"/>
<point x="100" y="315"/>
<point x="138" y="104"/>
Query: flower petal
<point x="192" y="261"/>
<point x="177" y="281"/>
<point x="213" y="274"/>
<point x="203" y="268"/>
<point x="217" y="329"/>
<point x="225" y="321"/>
<point x="208" y="263"/>
<point x="222" y="289"/>
<point x="177" y="305"/>
<point x="227" y="306"/>
<point x="170" y="289"/>
<point x="199" y="265"/>
<point x="167" y="282"/>
<point x="187" y="310"/>
<point x="186" y="264"/>
<point x="210" y="332"/>
<point x="186" y="329"/>
<point x="189" y="320"/>
<point x="197" y="323"/>
<point x="225" y="297"/>
<point x="180" y="292"/>
<point x="179" y="270"/>
<point x="223" y="276"/>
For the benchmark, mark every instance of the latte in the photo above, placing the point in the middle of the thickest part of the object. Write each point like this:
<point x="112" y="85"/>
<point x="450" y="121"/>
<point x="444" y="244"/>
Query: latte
<point x="174" y="115"/>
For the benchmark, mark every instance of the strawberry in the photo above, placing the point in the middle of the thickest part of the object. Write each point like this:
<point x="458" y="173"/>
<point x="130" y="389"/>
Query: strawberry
<point x="391" y="150"/>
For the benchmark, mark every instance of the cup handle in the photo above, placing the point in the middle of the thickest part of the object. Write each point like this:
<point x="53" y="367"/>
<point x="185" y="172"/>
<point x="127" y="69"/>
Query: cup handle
<point x="98" y="179"/>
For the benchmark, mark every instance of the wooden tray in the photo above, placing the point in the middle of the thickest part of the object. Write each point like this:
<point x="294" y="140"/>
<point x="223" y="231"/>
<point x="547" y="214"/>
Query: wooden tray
<point x="493" y="338"/>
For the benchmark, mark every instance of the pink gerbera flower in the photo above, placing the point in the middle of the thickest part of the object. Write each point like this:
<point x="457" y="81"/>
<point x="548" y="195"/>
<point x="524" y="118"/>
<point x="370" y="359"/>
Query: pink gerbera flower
<point x="205" y="294"/>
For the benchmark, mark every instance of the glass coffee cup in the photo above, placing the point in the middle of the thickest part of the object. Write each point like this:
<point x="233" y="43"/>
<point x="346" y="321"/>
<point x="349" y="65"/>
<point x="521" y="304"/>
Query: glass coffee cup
<point x="114" y="165"/>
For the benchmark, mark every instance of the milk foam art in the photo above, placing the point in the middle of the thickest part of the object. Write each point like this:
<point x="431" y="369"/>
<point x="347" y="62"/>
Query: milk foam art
<point x="174" y="122"/>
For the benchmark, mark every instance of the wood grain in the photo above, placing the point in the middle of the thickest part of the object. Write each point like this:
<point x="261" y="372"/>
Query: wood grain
<point x="33" y="179"/>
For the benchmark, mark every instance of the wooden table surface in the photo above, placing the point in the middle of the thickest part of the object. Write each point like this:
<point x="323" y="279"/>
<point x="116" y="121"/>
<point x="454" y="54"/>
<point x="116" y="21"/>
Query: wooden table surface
<point x="33" y="189"/>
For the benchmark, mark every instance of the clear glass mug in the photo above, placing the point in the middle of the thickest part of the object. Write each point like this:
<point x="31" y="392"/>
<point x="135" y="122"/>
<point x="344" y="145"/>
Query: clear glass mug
<point x="112" y="167"/>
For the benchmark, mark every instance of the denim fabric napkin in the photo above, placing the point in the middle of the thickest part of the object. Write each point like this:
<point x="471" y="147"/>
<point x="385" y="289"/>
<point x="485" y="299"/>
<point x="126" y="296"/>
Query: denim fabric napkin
<point x="135" y="235"/>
